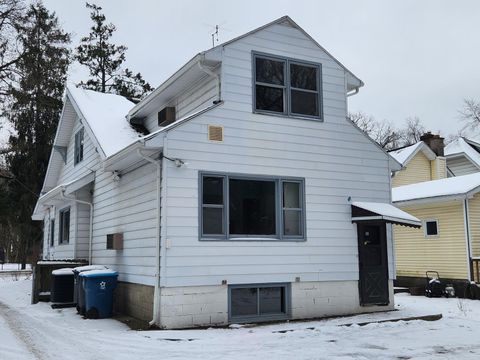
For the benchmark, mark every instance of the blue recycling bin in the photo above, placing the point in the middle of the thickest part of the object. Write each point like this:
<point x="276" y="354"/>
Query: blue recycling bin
<point x="99" y="287"/>
<point x="78" y="293"/>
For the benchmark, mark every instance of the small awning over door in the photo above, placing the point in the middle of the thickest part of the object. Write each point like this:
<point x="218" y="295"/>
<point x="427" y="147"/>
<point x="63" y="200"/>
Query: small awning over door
<point x="371" y="211"/>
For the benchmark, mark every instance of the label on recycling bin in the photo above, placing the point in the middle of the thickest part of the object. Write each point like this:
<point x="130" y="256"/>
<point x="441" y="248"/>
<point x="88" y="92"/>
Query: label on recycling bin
<point x="103" y="284"/>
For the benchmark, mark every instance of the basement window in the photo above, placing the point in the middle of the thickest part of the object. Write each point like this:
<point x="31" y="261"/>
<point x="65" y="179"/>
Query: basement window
<point x="286" y="86"/>
<point x="431" y="228"/>
<point x="261" y="302"/>
<point x="239" y="207"/>
<point x="78" y="150"/>
<point x="64" y="229"/>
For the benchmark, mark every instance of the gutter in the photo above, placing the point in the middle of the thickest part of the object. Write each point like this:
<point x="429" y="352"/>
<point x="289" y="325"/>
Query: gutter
<point x="90" y="235"/>
<point x="355" y="92"/>
<point x="211" y="73"/>
<point x="156" y="296"/>
<point x="428" y="200"/>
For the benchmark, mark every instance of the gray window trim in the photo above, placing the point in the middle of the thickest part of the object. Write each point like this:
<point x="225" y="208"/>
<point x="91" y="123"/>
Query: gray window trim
<point x="287" y="87"/>
<point x="259" y="318"/>
<point x="78" y="147"/>
<point x="60" y="225"/>
<point x="279" y="208"/>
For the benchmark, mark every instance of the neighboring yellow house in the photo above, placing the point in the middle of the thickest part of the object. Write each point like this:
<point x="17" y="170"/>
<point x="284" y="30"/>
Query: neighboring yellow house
<point x="449" y="208"/>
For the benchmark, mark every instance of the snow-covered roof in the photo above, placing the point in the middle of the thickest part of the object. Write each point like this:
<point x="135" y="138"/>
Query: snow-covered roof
<point x="449" y="187"/>
<point x="461" y="146"/>
<point x="105" y="115"/>
<point x="386" y="212"/>
<point x="404" y="155"/>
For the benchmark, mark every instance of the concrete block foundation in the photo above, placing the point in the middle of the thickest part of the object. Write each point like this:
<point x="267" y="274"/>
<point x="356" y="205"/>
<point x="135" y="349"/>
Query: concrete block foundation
<point x="194" y="306"/>
<point x="135" y="300"/>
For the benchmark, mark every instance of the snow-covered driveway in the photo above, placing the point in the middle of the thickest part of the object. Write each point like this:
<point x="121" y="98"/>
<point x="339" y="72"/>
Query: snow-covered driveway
<point x="38" y="332"/>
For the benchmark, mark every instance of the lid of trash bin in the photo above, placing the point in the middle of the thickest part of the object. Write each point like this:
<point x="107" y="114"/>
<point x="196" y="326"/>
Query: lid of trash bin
<point x="79" y="269"/>
<point x="63" y="271"/>
<point x="99" y="273"/>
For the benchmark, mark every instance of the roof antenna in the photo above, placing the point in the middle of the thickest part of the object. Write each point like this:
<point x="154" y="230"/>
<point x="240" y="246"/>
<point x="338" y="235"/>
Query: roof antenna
<point x="215" y="36"/>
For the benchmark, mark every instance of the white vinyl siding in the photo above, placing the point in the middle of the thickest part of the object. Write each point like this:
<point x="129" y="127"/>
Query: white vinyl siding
<point x="336" y="161"/>
<point x="283" y="41"/>
<point x="129" y="207"/>
<point x="91" y="158"/>
<point x="197" y="97"/>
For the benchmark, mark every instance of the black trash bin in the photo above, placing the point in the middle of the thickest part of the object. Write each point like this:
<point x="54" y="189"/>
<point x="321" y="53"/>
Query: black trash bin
<point x="78" y="292"/>
<point x="61" y="291"/>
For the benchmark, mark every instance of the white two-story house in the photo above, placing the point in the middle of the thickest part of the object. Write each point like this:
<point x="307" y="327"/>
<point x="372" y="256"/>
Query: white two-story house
<point x="236" y="191"/>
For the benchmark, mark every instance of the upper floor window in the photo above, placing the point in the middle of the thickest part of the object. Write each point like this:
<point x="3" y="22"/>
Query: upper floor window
<point x="78" y="151"/>
<point x="286" y="86"/>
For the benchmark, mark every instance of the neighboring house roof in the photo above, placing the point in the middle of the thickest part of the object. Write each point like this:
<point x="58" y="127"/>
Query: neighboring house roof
<point x="460" y="186"/>
<point x="464" y="147"/>
<point x="105" y="116"/>
<point x="404" y="155"/>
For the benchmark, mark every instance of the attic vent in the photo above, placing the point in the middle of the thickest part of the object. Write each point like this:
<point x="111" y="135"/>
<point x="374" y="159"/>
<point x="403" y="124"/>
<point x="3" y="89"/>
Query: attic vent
<point x="215" y="133"/>
<point x="166" y="116"/>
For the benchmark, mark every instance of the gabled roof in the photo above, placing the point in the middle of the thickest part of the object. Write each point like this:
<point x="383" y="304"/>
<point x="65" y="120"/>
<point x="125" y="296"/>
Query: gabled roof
<point x="404" y="155"/>
<point x="288" y="19"/>
<point x="464" y="147"/>
<point x="191" y="72"/>
<point x="105" y="116"/>
<point x="460" y="186"/>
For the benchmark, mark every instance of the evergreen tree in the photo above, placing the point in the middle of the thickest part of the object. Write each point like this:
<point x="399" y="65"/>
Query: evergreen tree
<point x="104" y="60"/>
<point x="34" y="112"/>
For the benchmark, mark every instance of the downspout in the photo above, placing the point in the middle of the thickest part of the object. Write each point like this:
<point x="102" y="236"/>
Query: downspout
<point x="214" y="75"/>
<point x="156" y="296"/>
<point x="467" y="238"/>
<point x="90" y="234"/>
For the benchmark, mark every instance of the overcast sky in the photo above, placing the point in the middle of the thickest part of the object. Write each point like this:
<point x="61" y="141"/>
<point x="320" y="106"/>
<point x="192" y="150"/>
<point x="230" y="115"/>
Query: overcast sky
<point x="417" y="58"/>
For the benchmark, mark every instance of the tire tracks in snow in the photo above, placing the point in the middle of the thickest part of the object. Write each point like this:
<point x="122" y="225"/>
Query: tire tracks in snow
<point x="11" y="317"/>
<point x="44" y="339"/>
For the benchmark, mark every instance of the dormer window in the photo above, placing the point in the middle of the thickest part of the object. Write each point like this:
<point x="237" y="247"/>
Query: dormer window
<point x="78" y="151"/>
<point x="286" y="86"/>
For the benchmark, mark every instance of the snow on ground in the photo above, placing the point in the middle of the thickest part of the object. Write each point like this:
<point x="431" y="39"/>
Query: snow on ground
<point x="38" y="332"/>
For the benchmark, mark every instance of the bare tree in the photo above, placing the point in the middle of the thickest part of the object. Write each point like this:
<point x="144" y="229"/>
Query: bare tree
<point x="470" y="114"/>
<point x="11" y="17"/>
<point x="412" y="132"/>
<point x="382" y="132"/>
